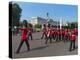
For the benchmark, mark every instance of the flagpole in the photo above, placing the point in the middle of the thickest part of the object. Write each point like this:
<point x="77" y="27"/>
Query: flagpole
<point x="60" y="23"/>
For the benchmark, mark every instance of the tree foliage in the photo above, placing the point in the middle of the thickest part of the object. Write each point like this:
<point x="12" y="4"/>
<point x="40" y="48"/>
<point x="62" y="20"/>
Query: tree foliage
<point x="16" y="13"/>
<point x="30" y="25"/>
<point x="38" y="26"/>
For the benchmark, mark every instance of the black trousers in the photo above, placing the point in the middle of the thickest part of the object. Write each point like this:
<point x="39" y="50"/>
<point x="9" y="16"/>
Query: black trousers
<point x="43" y="35"/>
<point x="48" y="38"/>
<point x="72" y="45"/>
<point x="66" y="38"/>
<point x="27" y="44"/>
<point x="53" y="37"/>
<point x="30" y="36"/>
<point x="57" y="38"/>
<point x="60" y="37"/>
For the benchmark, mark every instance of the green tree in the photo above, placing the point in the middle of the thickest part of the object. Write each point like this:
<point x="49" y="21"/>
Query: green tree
<point x="38" y="26"/>
<point x="30" y="25"/>
<point x="16" y="14"/>
<point x="20" y="24"/>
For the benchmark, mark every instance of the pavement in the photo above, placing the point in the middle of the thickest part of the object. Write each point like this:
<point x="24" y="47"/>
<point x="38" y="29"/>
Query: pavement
<point x="40" y="49"/>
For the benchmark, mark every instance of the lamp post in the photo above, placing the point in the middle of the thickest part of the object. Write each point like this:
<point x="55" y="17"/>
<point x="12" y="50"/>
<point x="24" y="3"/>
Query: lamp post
<point x="48" y="18"/>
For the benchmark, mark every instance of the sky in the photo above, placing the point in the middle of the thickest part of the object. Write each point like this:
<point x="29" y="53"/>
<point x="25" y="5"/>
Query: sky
<point x="68" y="13"/>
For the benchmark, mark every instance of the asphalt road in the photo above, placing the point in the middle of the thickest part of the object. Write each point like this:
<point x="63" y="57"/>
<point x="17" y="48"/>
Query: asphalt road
<point x="40" y="49"/>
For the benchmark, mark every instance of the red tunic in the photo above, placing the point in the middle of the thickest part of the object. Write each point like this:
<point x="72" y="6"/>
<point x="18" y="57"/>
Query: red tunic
<point x="65" y="33"/>
<point x="30" y="31"/>
<point x="24" y="32"/>
<point x="52" y="32"/>
<point x="73" y="37"/>
<point x="72" y="31"/>
<point x="75" y="30"/>
<point x="56" y="32"/>
<point x="49" y="32"/>
<point x="60" y="32"/>
<point x="69" y="30"/>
